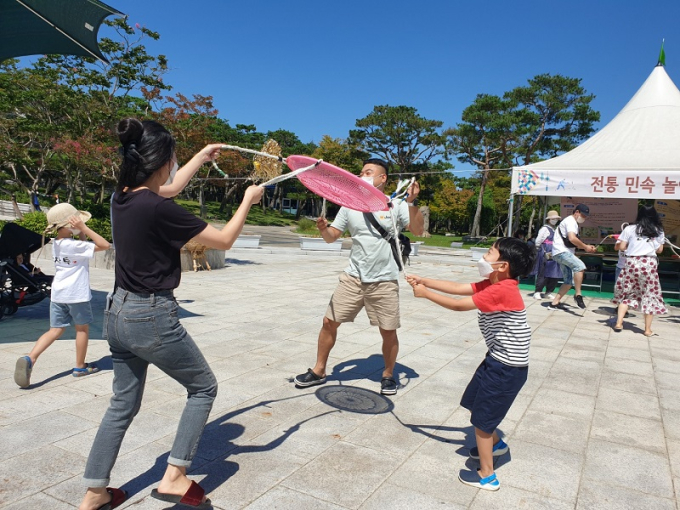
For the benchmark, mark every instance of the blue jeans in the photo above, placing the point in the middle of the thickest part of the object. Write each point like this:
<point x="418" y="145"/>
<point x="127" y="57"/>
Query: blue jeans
<point x="143" y="329"/>
<point x="569" y="264"/>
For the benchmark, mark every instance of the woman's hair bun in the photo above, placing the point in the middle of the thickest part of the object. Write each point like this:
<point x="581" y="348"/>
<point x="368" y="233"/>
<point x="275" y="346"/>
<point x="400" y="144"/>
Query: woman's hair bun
<point x="130" y="131"/>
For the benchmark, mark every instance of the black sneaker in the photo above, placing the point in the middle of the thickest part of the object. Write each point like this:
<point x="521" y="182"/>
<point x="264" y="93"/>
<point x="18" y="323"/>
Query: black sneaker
<point x="558" y="306"/>
<point x="579" y="301"/>
<point x="388" y="386"/>
<point x="309" y="378"/>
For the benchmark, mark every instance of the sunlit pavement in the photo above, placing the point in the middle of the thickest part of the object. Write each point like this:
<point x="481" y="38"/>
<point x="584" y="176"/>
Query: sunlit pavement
<point x="594" y="427"/>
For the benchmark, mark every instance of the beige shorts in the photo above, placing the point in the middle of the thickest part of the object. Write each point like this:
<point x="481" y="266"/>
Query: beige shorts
<point x="381" y="300"/>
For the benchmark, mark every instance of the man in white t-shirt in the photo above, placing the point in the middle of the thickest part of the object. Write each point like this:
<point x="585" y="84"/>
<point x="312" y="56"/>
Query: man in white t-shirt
<point x="370" y="280"/>
<point x="565" y="243"/>
<point x="70" y="294"/>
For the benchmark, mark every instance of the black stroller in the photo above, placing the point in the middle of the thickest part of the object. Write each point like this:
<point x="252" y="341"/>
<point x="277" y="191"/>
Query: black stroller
<point x="18" y="286"/>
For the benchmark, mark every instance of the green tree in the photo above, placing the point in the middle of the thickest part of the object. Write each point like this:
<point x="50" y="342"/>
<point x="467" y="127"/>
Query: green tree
<point x="34" y="114"/>
<point x="342" y="153"/>
<point x="553" y="116"/>
<point x="290" y="143"/>
<point x="72" y="103"/>
<point x="399" y="135"/>
<point x="449" y="207"/>
<point x="482" y="139"/>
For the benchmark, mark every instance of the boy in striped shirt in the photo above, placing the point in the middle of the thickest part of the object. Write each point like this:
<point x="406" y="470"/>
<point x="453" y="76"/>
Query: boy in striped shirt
<point x="503" y="322"/>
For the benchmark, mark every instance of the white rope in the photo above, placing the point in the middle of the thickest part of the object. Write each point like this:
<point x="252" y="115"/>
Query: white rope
<point x="291" y="174"/>
<point x="251" y="151"/>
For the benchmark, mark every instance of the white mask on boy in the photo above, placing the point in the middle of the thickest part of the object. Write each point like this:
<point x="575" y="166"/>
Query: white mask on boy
<point x="485" y="268"/>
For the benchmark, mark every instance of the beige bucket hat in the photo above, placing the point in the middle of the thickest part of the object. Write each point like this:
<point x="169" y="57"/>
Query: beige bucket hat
<point x="58" y="216"/>
<point x="552" y="215"/>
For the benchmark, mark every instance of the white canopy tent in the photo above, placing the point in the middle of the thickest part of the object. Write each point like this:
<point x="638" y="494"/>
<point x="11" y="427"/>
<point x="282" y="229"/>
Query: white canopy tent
<point x="636" y="155"/>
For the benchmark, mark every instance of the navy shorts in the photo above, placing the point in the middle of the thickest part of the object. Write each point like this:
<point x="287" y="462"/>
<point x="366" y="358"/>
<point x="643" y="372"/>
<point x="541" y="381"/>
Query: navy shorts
<point x="491" y="392"/>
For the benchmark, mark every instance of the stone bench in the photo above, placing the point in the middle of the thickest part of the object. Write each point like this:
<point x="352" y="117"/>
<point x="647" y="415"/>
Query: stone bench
<point x="8" y="211"/>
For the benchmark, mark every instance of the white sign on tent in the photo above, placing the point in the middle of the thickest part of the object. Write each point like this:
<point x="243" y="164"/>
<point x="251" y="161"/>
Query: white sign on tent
<point x="594" y="183"/>
<point x="636" y="155"/>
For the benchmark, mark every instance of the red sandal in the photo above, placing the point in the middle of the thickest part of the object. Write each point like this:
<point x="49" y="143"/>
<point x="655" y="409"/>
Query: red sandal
<point x="193" y="497"/>
<point x="118" y="497"/>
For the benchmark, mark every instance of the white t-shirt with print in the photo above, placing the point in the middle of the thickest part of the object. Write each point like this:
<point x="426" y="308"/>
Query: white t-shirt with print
<point x="568" y="224"/>
<point x="71" y="282"/>
<point x="640" y="246"/>
<point x="371" y="258"/>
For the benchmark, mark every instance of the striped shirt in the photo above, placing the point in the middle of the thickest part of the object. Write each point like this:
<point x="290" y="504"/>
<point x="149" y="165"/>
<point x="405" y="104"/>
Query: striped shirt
<point x="503" y="321"/>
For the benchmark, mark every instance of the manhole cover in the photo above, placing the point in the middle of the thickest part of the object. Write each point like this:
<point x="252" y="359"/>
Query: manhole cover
<point x="354" y="400"/>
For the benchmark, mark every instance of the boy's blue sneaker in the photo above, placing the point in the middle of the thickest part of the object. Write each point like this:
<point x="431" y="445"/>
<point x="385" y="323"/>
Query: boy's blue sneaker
<point x="473" y="479"/>
<point x="90" y="368"/>
<point x="500" y="448"/>
<point x="22" y="372"/>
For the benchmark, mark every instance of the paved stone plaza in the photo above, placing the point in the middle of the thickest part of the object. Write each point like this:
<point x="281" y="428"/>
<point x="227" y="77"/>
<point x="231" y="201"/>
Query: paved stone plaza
<point x="596" y="425"/>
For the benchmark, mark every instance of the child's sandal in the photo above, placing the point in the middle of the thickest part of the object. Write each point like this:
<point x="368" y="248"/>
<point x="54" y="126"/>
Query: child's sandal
<point x="90" y="368"/>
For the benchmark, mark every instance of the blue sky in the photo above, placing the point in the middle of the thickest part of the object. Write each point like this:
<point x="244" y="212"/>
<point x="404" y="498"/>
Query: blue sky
<point x="315" y="67"/>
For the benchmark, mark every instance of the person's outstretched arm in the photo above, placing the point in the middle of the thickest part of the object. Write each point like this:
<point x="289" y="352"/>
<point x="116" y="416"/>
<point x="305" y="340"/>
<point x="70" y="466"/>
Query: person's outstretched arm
<point x="184" y="174"/>
<point x="224" y="239"/>
<point x="459" y="305"/>
<point x="459" y="289"/>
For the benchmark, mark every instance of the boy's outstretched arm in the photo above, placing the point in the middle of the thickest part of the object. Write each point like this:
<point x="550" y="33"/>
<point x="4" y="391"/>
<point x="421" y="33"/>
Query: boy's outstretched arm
<point x="458" y="305"/>
<point x="100" y="244"/>
<point x="459" y="289"/>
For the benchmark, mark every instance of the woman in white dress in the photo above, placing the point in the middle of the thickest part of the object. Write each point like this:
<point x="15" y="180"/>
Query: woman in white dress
<point x="638" y="284"/>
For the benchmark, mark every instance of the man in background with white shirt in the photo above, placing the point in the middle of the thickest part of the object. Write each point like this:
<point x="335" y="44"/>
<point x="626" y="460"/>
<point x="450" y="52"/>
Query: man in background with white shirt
<point x="564" y="245"/>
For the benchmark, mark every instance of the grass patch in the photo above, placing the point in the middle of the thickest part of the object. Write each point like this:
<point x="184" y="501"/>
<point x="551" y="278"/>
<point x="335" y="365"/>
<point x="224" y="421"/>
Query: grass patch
<point x="269" y="217"/>
<point x="307" y="228"/>
<point x="255" y="216"/>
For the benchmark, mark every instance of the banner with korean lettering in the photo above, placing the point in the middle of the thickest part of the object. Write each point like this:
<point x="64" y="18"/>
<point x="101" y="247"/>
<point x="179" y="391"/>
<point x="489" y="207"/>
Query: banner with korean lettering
<point x="642" y="184"/>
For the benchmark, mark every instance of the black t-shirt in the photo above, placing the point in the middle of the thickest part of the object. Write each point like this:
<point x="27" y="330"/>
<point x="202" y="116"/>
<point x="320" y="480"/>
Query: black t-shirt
<point x="149" y="232"/>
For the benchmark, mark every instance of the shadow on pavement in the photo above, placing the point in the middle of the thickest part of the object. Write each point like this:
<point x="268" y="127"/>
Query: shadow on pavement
<point x="566" y="308"/>
<point x="371" y="368"/>
<point x="215" y="448"/>
<point x="467" y="442"/>
<point x="104" y="363"/>
<point x="239" y="262"/>
<point x="609" y="311"/>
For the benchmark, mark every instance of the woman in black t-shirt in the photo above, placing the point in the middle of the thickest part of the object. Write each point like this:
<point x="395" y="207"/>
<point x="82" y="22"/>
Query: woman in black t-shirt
<point x="140" y="320"/>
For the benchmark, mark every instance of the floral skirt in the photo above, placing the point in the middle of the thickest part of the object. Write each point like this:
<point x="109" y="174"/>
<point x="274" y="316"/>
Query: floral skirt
<point x="638" y="286"/>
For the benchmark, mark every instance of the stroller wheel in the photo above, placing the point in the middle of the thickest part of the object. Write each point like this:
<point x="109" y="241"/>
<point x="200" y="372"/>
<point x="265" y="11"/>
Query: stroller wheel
<point x="9" y="309"/>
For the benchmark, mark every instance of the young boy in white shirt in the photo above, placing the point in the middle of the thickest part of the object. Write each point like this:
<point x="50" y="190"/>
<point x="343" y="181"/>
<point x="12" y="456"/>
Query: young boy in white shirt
<point x="70" y="289"/>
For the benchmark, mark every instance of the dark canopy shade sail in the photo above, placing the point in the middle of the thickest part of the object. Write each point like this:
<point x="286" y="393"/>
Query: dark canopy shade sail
<point x="41" y="27"/>
<point x="16" y="239"/>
